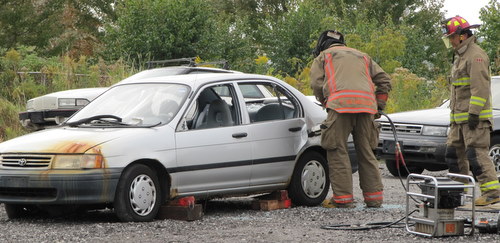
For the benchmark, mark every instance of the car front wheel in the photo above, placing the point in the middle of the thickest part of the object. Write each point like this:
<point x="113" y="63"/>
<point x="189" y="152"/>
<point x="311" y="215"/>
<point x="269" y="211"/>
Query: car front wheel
<point x="138" y="194"/>
<point x="401" y="171"/>
<point x="310" y="182"/>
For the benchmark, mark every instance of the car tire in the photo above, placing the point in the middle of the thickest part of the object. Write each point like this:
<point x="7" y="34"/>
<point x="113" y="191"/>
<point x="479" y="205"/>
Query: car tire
<point x="310" y="183"/>
<point x="494" y="153"/>
<point x="137" y="195"/>
<point x="391" y="166"/>
<point x="17" y="211"/>
<point x="436" y="167"/>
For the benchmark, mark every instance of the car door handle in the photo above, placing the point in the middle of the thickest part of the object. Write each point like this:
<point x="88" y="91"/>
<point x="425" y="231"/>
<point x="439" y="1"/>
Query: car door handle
<point x="240" y="135"/>
<point x="294" y="129"/>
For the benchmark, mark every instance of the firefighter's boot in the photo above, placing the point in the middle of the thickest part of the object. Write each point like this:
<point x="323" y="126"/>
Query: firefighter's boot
<point x="486" y="200"/>
<point x="328" y="203"/>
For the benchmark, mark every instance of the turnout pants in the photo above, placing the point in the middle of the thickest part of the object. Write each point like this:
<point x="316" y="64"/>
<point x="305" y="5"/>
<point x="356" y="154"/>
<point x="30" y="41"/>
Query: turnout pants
<point x="468" y="148"/>
<point x="335" y="133"/>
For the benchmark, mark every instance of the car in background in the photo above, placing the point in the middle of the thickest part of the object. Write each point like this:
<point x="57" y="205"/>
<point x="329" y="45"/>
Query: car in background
<point x="52" y="109"/>
<point x="422" y="135"/>
<point x="153" y="137"/>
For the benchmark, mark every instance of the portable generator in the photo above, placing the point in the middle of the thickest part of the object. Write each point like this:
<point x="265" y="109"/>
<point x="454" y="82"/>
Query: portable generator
<point x="437" y="201"/>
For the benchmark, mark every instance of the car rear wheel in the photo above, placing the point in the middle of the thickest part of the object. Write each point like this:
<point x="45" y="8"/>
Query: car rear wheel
<point x="401" y="171"/>
<point x="138" y="194"/>
<point x="310" y="182"/>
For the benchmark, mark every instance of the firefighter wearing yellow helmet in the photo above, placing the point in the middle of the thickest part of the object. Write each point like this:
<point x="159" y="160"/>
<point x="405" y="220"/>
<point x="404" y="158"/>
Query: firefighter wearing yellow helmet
<point x="471" y="112"/>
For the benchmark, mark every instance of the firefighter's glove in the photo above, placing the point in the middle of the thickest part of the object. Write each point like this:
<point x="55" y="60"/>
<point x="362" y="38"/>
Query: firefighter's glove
<point x="381" y="104"/>
<point x="473" y="121"/>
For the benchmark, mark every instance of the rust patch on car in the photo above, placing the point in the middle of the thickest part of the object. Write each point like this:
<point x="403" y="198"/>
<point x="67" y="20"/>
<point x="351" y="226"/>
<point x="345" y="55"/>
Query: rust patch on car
<point x="72" y="147"/>
<point x="80" y="148"/>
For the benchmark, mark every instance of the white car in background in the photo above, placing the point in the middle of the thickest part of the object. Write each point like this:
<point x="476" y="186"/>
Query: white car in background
<point x="54" y="108"/>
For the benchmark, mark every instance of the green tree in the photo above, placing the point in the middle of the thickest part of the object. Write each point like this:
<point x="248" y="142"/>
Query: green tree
<point x="256" y="13"/>
<point x="232" y="43"/>
<point x="490" y="33"/>
<point x="153" y="29"/>
<point x="78" y="24"/>
<point x="22" y="23"/>
<point x="425" y="54"/>
<point x="288" y="41"/>
<point x="55" y="27"/>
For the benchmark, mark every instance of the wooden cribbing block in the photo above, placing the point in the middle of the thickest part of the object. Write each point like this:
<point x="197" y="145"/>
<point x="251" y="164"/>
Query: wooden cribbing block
<point x="267" y="205"/>
<point x="275" y="200"/>
<point x="188" y="213"/>
<point x="279" y="195"/>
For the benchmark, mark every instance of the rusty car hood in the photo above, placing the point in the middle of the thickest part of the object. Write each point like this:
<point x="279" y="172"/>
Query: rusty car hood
<point x="63" y="140"/>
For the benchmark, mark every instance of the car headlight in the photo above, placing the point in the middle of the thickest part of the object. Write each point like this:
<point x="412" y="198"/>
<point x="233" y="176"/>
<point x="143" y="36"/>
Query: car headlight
<point x="80" y="161"/>
<point x="435" y="131"/>
<point x="72" y="102"/>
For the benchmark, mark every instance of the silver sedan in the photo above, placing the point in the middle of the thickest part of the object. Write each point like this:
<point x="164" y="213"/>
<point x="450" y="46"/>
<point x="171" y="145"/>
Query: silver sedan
<point x="152" y="138"/>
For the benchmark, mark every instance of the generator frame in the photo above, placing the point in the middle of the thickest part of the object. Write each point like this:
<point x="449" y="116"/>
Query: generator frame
<point x="437" y="224"/>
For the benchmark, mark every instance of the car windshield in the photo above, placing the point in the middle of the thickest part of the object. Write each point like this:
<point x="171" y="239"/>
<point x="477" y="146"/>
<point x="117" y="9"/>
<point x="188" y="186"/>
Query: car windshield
<point x="134" y="104"/>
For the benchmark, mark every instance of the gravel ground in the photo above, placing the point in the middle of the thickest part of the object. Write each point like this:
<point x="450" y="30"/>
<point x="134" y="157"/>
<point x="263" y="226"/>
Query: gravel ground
<point x="233" y="220"/>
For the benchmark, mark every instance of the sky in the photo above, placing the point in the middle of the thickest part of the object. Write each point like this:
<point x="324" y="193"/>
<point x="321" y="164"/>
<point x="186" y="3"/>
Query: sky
<point x="467" y="9"/>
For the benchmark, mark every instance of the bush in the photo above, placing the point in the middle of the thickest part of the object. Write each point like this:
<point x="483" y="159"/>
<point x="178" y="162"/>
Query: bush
<point x="11" y="127"/>
<point x="410" y="92"/>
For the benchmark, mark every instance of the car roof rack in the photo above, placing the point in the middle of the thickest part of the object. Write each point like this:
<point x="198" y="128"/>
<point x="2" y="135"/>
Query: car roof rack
<point x="186" y="61"/>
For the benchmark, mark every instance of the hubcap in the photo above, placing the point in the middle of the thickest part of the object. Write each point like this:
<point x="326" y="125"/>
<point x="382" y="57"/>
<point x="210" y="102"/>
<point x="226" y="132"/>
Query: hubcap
<point x="313" y="179"/>
<point x="495" y="157"/>
<point x="142" y="195"/>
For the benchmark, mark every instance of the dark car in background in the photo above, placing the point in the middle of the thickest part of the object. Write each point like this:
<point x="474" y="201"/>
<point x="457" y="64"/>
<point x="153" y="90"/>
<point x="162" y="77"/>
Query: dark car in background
<point x="422" y="135"/>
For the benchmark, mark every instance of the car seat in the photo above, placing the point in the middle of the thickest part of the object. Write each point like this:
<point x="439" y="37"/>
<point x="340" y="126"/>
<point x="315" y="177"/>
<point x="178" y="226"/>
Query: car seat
<point x="270" y="112"/>
<point x="218" y="115"/>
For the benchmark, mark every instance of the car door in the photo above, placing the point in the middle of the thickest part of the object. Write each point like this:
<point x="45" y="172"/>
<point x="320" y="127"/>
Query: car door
<point x="213" y="151"/>
<point x="277" y="130"/>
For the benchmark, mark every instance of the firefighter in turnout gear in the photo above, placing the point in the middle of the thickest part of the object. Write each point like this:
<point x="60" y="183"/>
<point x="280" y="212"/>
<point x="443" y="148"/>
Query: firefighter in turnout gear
<point x="353" y="88"/>
<point x="471" y="112"/>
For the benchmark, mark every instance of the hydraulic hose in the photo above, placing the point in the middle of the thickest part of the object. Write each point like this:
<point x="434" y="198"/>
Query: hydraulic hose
<point x="398" y="153"/>
<point x="368" y="226"/>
